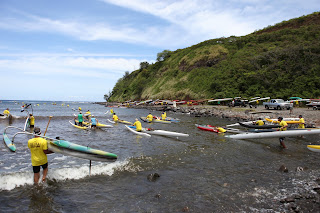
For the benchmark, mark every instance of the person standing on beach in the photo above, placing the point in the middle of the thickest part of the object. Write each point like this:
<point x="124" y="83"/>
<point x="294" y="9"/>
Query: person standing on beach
<point x="283" y="127"/>
<point x="39" y="149"/>
<point x="302" y="123"/>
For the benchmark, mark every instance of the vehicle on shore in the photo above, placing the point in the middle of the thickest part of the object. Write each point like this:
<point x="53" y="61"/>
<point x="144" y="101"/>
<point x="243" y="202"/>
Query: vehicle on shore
<point x="277" y="104"/>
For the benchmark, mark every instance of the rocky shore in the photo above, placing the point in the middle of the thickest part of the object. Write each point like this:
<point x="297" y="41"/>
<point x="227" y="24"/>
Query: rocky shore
<point x="239" y="114"/>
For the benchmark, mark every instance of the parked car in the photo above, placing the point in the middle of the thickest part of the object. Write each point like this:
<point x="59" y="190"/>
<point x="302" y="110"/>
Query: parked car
<point x="237" y="102"/>
<point x="277" y="104"/>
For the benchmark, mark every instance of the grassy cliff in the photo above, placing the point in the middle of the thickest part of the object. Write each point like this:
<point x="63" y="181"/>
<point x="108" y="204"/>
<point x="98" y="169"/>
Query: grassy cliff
<point x="279" y="61"/>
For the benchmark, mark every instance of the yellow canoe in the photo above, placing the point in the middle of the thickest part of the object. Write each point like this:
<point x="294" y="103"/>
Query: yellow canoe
<point x="276" y="121"/>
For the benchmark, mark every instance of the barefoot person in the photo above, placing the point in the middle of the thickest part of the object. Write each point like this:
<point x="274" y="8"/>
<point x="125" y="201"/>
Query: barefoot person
<point x="283" y="127"/>
<point x="39" y="150"/>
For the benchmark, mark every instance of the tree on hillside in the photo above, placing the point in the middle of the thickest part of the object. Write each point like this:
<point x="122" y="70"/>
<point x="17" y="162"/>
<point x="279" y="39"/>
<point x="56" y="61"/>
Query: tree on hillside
<point x="144" y="65"/>
<point x="163" y="55"/>
<point x="107" y="96"/>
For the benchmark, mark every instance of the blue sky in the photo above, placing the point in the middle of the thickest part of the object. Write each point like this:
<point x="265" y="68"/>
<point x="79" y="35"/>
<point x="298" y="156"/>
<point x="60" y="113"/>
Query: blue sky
<point x="76" y="50"/>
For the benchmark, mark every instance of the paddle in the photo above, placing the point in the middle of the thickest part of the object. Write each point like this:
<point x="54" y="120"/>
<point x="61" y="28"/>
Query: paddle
<point x="47" y="125"/>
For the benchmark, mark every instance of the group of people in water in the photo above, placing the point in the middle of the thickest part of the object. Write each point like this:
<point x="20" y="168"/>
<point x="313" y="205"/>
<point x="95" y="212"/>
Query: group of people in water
<point x="87" y="116"/>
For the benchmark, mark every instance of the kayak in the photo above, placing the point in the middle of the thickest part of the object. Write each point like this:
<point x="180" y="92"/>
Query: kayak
<point x="259" y="127"/>
<point x="314" y="148"/>
<point x="288" y="121"/>
<point x="136" y="132"/>
<point x="207" y="128"/>
<point x="124" y="122"/>
<point x="276" y="134"/>
<point x="161" y="132"/>
<point x="79" y="127"/>
<point x="72" y="149"/>
<point x="176" y="120"/>
<point x="155" y="120"/>
<point x="8" y="143"/>
<point x="237" y="124"/>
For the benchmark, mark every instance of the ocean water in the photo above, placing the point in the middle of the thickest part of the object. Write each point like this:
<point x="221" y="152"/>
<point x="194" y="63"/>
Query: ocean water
<point x="205" y="172"/>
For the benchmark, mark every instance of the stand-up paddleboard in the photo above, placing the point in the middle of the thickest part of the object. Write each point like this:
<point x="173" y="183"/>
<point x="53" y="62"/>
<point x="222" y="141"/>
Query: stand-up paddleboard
<point x="79" y="127"/>
<point x="277" y="134"/>
<point x="26" y="124"/>
<point x="161" y="132"/>
<point x="287" y="121"/>
<point x="155" y="120"/>
<point x="266" y="126"/>
<point x="75" y="150"/>
<point x="136" y="132"/>
<point x="314" y="148"/>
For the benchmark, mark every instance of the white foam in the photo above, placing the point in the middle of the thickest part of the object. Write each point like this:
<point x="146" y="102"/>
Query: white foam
<point x="9" y="181"/>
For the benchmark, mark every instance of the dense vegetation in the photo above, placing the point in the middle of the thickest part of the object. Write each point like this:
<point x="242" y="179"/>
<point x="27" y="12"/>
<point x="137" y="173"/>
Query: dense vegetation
<point x="279" y="61"/>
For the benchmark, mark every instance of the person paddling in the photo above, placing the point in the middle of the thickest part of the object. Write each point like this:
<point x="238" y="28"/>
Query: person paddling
<point x="115" y="117"/>
<point x="259" y="122"/>
<point x="138" y="125"/>
<point x="150" y="117"/>
<point x="39" y="149"/>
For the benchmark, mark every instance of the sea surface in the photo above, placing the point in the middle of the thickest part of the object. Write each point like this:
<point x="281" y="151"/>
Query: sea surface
<point x="205" y="172"/>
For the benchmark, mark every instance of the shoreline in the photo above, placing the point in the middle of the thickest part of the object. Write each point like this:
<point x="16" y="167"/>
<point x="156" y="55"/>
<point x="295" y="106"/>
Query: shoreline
<point x="239" y="114"/>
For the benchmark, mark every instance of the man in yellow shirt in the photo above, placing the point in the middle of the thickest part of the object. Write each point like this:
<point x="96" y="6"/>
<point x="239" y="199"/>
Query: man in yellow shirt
<point x="6" y="112"/>
<point x="150" y="117"/>
<point x="283" y="127"/>
<point x="39" y="150"/>
<point x="163" y="116"/>
<point x="31" y="118"/>
<point x="302" y="123"/>
<point x="115" y="117"/>
<point x="259" y="122"/>
<point x="138" y="125"/>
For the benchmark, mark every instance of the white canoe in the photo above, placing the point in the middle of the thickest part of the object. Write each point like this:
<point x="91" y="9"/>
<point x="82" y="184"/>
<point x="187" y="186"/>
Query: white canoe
<point x="277" y="134"/>
<point x="136" y="132"/>
<point x="161" y="132"/>
<point x="237" y="124"/>
<point x="314" y="148"/>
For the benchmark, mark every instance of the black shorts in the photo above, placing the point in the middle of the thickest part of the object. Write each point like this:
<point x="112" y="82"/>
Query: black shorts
<point x="93" y="125"/>
<point x="36" y="169"/>
<point x="31" y="126"/>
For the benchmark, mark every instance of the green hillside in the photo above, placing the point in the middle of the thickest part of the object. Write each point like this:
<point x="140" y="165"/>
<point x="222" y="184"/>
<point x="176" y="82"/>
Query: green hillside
<point x="279" y="61"/>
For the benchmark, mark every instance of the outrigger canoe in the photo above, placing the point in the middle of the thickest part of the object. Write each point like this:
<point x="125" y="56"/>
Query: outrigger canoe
<point x="276" y="121"/>
<point x="155" y="120"/>
<point x="8" y="143"/>
<point x="99" y="125"/>
<point x="276" y="134"/>
<point x="161" y="132"/>
<point x="252" y="126"/>
<point x="207" y="128"/>
<point x="136" y="132"/>
<point x="72" y="149"/>
<point x="314" y="148"/>
<point x="79" y="127"/>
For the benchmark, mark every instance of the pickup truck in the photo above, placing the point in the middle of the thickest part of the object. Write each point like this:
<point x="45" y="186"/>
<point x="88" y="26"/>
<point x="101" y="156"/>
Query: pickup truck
<point x="277" y="104"/>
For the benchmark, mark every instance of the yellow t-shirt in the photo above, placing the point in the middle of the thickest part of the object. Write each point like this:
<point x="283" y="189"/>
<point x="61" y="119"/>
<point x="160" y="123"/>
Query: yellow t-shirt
<point x="79" y="109"/>
<point x="31" y="120"/>
<point x="260" y="123"/>
<point x="149" y="117"/>
<point x="115" y="117"/>
<point x="138" y="125"/>
<point x="283" y="123"/>
<point x="111" y="111"/>
<point x="301" y="125"/>
<point x="163" y="116"/>
<point x="36" y="146"/>
<point x="6" y="112"/>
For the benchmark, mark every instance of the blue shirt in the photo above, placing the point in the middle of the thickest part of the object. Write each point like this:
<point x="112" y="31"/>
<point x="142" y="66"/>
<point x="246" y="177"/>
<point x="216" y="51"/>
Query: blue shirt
<point x="93" y="121"/>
